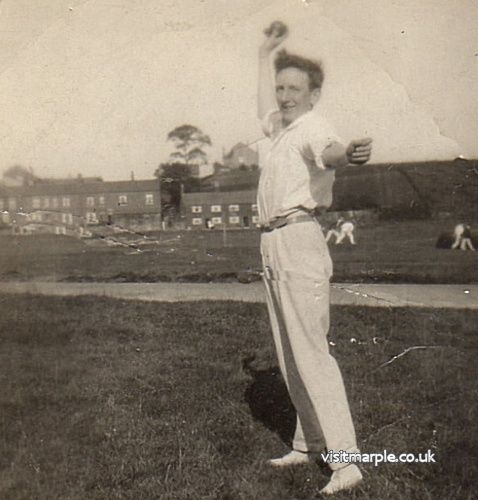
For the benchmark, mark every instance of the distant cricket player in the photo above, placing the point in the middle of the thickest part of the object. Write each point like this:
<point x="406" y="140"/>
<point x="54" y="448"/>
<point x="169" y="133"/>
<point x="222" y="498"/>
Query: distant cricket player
<point x="295" y="185"/>
<point x="462" y="234"/>
<point x="341" y="230"/>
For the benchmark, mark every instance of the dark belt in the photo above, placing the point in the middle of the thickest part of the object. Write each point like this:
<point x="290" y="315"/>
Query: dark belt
<point x="286" y="221"/>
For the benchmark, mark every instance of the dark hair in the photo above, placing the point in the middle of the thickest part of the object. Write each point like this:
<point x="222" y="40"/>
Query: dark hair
<point x="313" y="68"/>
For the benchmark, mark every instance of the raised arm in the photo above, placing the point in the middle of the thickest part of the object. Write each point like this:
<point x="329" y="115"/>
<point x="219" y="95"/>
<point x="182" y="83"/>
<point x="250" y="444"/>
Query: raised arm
<point x="275" y="35"/>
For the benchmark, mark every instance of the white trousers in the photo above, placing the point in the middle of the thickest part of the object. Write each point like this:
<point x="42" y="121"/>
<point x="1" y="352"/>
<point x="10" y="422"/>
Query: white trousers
<point x="466" y="244"/>
<point x="297" y="269"/>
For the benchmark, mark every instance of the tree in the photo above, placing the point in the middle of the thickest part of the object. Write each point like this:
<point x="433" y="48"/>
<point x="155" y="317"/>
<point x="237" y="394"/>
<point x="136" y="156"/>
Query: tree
<point x="177" y="174"/>
<point x="190" y="142"/>
<point x="19" y="175"/>
<point x="173" y="172"/>
<point x="173" y="178"/>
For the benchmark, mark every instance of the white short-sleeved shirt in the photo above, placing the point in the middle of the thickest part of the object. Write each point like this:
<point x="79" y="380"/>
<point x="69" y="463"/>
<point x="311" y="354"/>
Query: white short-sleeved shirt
<point x="293" y="175"/>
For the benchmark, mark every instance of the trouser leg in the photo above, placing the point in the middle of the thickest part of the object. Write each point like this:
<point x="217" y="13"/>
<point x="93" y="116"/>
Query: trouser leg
<point x="311" y="439"/>
<point x="299" y="310"/>
<point x="467" y="244"/>
<point x="317" y="388"/>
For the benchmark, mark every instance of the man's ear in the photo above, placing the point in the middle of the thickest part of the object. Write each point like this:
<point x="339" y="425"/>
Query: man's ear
<point x="315" y="96"/>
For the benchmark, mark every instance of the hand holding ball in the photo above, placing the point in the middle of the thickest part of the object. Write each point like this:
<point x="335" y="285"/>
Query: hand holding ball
<point x="277" y="29"/>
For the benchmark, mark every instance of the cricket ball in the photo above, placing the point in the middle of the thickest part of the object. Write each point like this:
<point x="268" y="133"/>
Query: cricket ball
<point x="277" y="27"/>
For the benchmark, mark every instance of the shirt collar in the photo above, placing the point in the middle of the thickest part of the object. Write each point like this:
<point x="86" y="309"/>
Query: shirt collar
<point x="292" y="125"/>
<point x="299" y="120"/>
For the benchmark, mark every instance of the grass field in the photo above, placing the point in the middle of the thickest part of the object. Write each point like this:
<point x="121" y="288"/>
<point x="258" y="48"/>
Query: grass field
<point x="387" y="252"/>
<point x="106" y="399"/>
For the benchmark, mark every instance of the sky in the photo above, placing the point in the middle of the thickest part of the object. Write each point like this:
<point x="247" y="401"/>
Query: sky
<point x="94" y="86"/>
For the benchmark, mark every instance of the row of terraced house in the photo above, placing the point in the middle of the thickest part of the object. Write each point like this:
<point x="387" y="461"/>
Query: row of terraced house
<point x="76" y="205"/>
<point x="227" y="198"/>
<point x="80" y="203"/>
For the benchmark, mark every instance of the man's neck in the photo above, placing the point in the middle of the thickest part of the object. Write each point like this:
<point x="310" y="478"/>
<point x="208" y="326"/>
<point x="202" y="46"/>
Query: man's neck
<point x="286" y="122"/>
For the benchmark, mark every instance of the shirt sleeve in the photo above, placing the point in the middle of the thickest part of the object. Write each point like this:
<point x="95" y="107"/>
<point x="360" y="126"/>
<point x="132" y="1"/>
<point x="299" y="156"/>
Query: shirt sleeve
<point x="318" y="135"/>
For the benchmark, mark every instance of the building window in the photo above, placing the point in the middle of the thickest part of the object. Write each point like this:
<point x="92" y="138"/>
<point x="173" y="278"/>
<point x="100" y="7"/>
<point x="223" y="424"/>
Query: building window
<point x="101" y="200"/>
<point x="255" y="219"/>
<point x="54" y="202"/>
<point x="216" y="220"/>
<point x="2" y="204"/>
<point x="122" y="200"/>
<point x="36" y="202"/>
<point x="196" y="209"/>
<point x="66" y="201"/>
<point x="234" y="219"/>
<point x="149" y="199"/>
<point x="233" y="208"/>
<point x="254" y="207"/>
<point x="197" y="221"/>
<point x="67" y="218"/>
<point x="91" y="218"/>
<point x="90" y="201"/>
<point x="215" y="208"/>
<point x="36" y="217"/>
<point x="46" y="202"/>
<point x="12" y="204"/>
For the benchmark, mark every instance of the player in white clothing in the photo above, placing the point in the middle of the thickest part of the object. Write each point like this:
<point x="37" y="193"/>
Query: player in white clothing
<point x="296" y="182"/>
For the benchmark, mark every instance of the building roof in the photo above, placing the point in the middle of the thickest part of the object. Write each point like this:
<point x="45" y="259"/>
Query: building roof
<point x="68" y="180"/>
<point x="86" y="188"/>
<point x="239" y="145"/>
<point x="220" y="197"/>
<point x="233" y="180"/>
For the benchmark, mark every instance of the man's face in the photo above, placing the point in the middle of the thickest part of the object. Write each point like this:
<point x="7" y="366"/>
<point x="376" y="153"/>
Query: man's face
<point x="293" y="94"/>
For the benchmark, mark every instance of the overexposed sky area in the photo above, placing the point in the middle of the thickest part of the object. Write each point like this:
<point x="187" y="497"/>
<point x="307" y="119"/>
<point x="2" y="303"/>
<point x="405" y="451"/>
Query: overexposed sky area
<point x="95" y="86"/>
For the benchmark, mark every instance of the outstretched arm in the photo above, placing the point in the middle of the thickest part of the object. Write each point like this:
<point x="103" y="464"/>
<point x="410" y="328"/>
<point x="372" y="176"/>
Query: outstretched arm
<point x="275" y="35"/>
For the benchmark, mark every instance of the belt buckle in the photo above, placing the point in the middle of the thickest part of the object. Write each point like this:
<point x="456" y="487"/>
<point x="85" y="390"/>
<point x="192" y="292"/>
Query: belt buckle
<point x="268" y="273"/>
<point x="275" y="224"/>
<point x="280" y="224"/>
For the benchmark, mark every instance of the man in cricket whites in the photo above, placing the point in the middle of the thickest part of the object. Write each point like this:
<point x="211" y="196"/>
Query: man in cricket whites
<point x="295" y="185"/>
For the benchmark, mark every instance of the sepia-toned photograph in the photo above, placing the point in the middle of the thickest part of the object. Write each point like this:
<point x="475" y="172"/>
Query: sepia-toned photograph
<point x="238" y="249"/>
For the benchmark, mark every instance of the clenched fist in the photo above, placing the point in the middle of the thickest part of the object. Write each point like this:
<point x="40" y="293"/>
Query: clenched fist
<point x="359" y="151"/>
